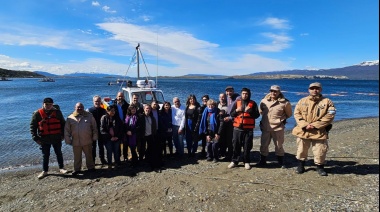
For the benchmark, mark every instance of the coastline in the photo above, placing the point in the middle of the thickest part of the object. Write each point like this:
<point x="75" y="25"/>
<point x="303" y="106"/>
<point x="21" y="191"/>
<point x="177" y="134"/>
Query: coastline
<point x="198" y="185"/>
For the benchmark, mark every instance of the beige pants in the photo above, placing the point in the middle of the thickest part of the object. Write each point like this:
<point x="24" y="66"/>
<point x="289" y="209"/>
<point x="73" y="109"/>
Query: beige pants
<point x="78" y="157"/>
<point x="319" y="147"/>
<point x="278" y="140"/>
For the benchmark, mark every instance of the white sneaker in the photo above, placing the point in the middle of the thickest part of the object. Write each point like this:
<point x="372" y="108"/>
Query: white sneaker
<point x="63" y="171"/>
<point x="232" y="165"/>
<point x="42" y="175"/>
<point x="247" y="166"/>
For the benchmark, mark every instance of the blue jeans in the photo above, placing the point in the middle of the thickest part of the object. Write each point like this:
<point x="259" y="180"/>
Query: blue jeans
<point x="113" y="147"/>
<point x="45" y="148"/>
<point x="191" y="143"/>
<point x="212" y="149"/>
<point x="178" y="140"/>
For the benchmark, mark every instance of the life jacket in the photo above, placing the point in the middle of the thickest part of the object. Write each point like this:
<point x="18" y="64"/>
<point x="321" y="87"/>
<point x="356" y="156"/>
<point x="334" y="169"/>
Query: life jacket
<point x="244" y="120"/>
<point x="49" y="125"/>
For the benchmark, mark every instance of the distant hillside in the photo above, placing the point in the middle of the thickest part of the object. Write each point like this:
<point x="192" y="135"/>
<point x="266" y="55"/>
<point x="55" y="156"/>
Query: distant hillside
<point x="78" y="74"/>
<point x="47" y="74"/>
<point x="19" y="74"/>
<point x="355" y="72"/>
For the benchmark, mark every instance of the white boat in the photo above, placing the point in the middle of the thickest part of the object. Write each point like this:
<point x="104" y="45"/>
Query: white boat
<point x="5" y="79"/>
<point x="47" y="79"/>
<point x="145" y="89"/>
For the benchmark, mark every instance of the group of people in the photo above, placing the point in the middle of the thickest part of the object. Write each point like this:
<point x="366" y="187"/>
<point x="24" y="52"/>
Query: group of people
<point x="137" y="132"/>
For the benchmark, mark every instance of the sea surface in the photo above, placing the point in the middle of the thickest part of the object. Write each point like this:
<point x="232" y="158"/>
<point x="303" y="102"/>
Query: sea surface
<point x="352" y="98"/>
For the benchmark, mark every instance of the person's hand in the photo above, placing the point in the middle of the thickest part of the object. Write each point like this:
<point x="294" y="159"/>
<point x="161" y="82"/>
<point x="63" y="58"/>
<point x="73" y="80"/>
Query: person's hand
<point x="129" y="133"/>
<point x="180" y="132"/>
<point x="309" y="127"/>
<point x="39" y="142"/>
<point x="217" y="137"/>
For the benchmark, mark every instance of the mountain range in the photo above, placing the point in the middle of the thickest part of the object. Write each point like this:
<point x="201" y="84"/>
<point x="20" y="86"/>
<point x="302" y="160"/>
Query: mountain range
<point x="367" y="70"/>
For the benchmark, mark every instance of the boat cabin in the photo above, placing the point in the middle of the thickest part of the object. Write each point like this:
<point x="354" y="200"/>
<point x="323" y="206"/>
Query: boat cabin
<point x="146" y="91"/>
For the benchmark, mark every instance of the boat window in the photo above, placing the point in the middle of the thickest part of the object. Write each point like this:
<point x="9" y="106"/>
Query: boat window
<point x="159" y="97"/>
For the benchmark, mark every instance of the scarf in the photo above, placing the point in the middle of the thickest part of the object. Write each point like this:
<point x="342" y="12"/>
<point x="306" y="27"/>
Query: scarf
<point x="203" y="125"/>
<point x="131" y="121"/>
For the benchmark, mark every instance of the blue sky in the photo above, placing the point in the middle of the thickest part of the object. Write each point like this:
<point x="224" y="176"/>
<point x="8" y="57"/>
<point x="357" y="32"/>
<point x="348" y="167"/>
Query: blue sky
<point x="178" y="37"/>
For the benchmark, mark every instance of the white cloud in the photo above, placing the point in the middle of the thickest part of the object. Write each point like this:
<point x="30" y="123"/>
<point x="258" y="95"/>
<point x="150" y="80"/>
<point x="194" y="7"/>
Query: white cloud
<point x="279" y="42"/>
<point x="107" y="9"/>
<point x="95" y="4"/>
<point x="276" y="23"/>
<point x="176" y="52"/>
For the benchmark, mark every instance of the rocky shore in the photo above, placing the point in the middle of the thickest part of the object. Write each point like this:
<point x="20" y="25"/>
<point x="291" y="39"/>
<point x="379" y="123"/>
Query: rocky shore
<point x="198" y="185"/>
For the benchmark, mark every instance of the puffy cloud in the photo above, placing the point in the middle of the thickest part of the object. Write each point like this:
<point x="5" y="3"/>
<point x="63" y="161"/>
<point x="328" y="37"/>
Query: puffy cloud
<point x="276" y="23"/>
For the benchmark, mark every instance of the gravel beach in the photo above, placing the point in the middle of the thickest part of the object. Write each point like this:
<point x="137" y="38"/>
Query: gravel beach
<point x="192" y="184"/>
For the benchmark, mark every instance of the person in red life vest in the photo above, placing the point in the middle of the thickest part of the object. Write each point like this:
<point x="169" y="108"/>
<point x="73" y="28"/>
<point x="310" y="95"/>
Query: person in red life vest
<point x="80" y="132"/>
<point x="244" y="111"/>
<point x="47" y="127"/>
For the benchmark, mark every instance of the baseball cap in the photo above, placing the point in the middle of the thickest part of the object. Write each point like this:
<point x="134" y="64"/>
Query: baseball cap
<point x="48" y="100"/>
<point x="275" y="87"/>
<point x="229" y="87"/>
<point x="315" y="84"/>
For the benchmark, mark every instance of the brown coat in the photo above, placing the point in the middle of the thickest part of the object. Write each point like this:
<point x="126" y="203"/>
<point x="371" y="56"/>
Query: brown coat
<point x="80" y="130"/>
<point x="274" y="113"/>
<point x="317" y="111"/>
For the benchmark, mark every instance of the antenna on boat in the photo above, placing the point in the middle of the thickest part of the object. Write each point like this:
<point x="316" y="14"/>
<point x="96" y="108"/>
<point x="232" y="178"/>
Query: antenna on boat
<point x="157" y="62"/>
<point x="138" y="59"/>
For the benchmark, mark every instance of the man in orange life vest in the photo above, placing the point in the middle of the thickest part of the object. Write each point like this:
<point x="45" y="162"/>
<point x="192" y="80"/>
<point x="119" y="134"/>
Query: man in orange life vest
<point x="245" y="112"/>
<point x="47" y="129"/>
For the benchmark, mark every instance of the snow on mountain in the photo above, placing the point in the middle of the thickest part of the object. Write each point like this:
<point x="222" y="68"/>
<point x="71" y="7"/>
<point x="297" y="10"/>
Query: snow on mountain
<point x="369" y="63"/>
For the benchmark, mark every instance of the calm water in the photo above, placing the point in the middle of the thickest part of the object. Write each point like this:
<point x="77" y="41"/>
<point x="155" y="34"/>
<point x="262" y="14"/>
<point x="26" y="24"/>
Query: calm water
<point x="353" y="99"/>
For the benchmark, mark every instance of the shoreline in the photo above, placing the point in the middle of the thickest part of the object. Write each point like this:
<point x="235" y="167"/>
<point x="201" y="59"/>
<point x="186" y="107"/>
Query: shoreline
<point x="54" y="165"/>
<point x="188" y="184"/>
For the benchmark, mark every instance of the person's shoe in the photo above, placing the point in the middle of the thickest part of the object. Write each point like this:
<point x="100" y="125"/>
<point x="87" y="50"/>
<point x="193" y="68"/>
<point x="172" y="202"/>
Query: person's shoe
<point x="215" y="160"/>
<point x="209" y="159"/>
<point x="321" y="170"/>
<point x="75" y="173"/>
<point x="247" y="166"/>
<point x="91" y="170"/>
<point x="232" y="165"/>
<point x="62" y="171"/>
<point x="262" y="162"/>
<point x="42" y="175"/>
<point x="109" y="167"/>
<point x="280" y="160"/>
<point x="301" y="167"/>
<point x="103" y="161"/>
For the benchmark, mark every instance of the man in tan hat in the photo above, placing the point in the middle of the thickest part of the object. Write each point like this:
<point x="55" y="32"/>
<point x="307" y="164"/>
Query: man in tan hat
<point x="314" y="115"/>
<point x="274" y="109"/>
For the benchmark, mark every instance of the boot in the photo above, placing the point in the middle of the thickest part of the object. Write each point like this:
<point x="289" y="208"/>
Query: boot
<point x="263" y="161"/>
<point x="280" y="160"/>
<point x="103" y="161"/>
<point x="321" y="170"/>
<point x="301" y="167"/>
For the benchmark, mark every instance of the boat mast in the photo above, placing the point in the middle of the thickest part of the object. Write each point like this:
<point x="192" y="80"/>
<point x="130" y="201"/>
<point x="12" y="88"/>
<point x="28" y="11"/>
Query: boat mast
<point x="138" y="60"/>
